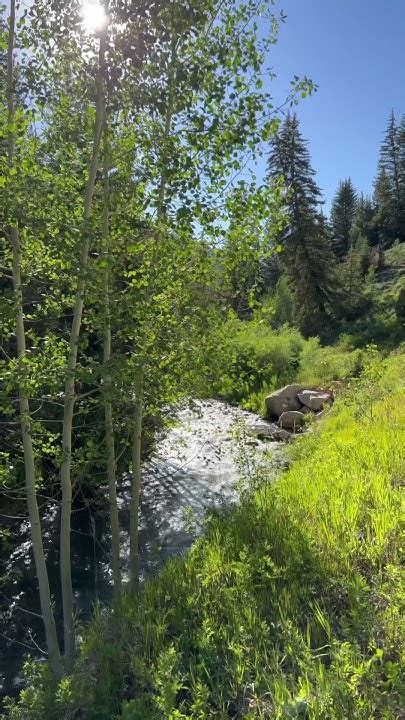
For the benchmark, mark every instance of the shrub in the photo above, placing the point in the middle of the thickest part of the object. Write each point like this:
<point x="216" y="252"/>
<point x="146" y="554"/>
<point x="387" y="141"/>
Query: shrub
<point x="260" y="359"/>
<point x="320" y="365"/>
<point x="383" y="324"/>
<point x="395" y="255"/>
<point x="278" y="307"/>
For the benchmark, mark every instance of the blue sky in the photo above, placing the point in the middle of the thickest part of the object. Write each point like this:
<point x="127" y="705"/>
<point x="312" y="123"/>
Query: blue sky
<point x="355" y="51"/>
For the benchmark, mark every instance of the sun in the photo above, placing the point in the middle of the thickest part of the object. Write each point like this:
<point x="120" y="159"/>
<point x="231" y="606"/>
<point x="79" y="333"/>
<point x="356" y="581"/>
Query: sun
<point x="93" y="14"/>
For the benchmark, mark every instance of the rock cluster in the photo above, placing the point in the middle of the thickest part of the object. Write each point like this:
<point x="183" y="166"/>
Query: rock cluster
<point x="291" y="403"/>
<point x="287" y="407"/>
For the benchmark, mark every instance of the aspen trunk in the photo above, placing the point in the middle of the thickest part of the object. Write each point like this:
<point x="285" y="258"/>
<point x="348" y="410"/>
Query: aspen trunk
<point x="108" y="410"/>
<point x="137" y="431"/>
<point x="25" y="419"/>
<point x="136" y="485"/>
<point x="65" y="471"/>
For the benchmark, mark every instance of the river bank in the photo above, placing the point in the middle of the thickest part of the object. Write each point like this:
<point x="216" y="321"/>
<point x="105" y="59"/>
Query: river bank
<point x="193" y="469"/>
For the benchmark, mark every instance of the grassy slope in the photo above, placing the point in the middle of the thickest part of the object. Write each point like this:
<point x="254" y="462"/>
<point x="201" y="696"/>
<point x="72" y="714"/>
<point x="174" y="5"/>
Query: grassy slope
<point x="289" y="608"/>
<point x="381" y="324"/>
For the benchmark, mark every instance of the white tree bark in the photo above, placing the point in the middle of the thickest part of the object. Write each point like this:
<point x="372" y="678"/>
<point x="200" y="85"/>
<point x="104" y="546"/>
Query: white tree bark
<point x="24" y="409"/>
<point x="136" y="484"/>
<point x="108" y="409"/>
<point x="65" y="471"/>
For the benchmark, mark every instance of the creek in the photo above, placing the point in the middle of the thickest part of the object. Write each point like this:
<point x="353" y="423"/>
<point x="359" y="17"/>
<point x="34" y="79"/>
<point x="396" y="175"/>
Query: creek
<point x="194" y="468"/>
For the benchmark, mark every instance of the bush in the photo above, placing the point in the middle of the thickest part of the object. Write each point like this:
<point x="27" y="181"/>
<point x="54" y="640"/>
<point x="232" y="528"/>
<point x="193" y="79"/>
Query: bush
<point x="278" y="307"/>
<point x="260" y="359"/>
<point x="320" y="365"/>
<point x="383" y="324"/>
<point x="395" y="255"/>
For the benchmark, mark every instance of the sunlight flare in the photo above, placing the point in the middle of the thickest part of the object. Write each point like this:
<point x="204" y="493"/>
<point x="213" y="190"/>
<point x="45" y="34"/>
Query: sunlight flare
<point x="94" y="15"/>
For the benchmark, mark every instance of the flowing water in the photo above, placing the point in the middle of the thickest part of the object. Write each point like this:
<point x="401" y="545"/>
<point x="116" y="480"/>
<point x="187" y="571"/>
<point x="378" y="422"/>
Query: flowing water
<point x="194" y="468"/>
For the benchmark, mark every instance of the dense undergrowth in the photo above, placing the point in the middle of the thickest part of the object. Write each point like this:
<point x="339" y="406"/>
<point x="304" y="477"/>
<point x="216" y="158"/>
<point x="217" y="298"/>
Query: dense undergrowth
<point x="261" y="359"/>
<point x="269" y="351"/>
<point x="289" y="607"/>
<point x="384" y="322"/>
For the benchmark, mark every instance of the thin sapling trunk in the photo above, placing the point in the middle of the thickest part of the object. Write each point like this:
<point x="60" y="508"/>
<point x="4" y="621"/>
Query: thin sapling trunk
<point x="65" y="473"/>
<point x="136" y="484"/>
<point x="108" y="408"/>
<point x="24" y="409"/>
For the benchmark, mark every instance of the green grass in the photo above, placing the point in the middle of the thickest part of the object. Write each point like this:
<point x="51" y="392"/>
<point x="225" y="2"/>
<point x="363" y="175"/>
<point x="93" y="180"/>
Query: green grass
<point x="321" y="365"/>
<point x="291" y="605"/>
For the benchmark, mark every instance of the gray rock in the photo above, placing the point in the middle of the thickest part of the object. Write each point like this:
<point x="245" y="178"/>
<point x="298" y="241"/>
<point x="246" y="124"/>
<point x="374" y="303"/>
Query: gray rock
<point x="314" y="399"/>
<point x="281" y="434"/>
<point x="262" y="429"/>
<point x="292" y="419"/>
<point x="283" y="400"/>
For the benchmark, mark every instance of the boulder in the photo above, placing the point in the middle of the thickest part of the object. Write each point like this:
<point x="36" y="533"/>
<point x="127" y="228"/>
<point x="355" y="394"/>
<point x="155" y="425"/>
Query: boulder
<point x="292" y="419"/>
<point x="262" y="429"/>
<point x="281" y="434"/>
<point x="314" y="399"/>
<point x="283" y="400"/>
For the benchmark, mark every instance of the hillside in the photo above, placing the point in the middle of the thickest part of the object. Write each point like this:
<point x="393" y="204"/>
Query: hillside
<point x="392" y="273"/>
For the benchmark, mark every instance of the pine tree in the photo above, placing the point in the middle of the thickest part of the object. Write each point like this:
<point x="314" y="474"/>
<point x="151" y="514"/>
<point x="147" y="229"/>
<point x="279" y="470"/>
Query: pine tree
<point x="401" y="139"/>
<point x="386" y="220"/>
<point x="342" y="216"/>
<point x="289" y="157"/>
<point x="364" y="222"/>
<point x="355" y="300"/>
<point x="390" y="164"/>
<point x="306" y="257"/>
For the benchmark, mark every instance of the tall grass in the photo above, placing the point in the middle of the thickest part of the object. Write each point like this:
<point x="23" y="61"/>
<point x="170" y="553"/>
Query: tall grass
<point x="320" y="365"/>
<point x="289" y="607"/>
